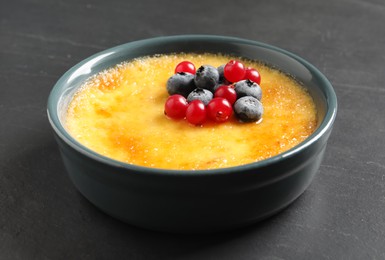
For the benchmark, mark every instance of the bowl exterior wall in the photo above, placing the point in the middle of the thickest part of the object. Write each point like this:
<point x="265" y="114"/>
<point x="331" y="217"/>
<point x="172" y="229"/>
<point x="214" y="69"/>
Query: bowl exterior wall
<point x="192" y="204"/>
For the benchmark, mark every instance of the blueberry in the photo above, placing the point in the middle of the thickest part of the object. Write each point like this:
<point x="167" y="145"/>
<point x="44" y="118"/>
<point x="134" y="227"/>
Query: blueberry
<point x="222" y="80"/>
<point x="206" y="77"/>
<point x="203" y="95"/>
<point x="248" y="109"/>
<point x="180" y="83"/>
<point x="248" y="88"/>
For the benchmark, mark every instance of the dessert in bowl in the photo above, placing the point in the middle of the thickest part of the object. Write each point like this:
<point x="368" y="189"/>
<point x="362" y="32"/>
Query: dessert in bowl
<point x="162" y="173"/>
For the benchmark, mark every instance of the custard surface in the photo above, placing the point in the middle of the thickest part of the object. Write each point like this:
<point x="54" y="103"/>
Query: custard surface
<point x="119" y="113"/>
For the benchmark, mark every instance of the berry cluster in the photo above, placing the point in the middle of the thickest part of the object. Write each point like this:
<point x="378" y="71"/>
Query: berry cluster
<point x="214" y="93"/>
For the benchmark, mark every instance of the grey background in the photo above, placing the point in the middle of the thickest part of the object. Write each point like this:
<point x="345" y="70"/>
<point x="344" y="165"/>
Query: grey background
<point x="340" y="216"/>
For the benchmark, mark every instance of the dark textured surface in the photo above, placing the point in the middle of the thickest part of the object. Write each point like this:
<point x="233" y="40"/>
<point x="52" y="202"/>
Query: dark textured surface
<point x="341" y="215"/>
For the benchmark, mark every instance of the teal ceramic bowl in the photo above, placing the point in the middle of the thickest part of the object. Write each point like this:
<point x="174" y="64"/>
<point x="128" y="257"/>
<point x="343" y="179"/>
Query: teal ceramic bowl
<point x="203" y="200"/>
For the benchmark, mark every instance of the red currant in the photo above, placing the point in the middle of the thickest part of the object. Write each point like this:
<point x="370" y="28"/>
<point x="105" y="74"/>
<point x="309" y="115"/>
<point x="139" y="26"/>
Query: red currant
<point x="219" y="109"/>
<point x="196" y="112"/>
<point x="227" y="92"/>
<point x="176" y="106"/>
<point x="253" y="75"/>
<point x="234" y="71"/>
<point x="185" y="66"/>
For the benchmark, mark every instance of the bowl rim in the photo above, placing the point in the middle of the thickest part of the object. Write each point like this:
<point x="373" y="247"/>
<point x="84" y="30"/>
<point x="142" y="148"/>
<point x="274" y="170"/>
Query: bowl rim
<point x="59" y="129"/>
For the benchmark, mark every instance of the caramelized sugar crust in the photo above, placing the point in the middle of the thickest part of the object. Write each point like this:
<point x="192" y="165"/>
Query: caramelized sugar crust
<point x="119" y="113"/>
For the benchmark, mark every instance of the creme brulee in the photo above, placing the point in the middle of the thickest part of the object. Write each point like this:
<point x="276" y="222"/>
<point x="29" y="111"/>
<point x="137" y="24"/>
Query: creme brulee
<point x="119" y="113"/>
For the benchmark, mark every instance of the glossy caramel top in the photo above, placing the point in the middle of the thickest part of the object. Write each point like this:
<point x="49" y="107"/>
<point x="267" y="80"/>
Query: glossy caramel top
<point x="119" y="113"/>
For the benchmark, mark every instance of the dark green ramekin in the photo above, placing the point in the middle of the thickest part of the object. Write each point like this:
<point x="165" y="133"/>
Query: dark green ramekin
<point x="202" y="200"/>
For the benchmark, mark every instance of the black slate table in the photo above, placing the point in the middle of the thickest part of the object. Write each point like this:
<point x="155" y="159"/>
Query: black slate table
<point x="340" y="216"/>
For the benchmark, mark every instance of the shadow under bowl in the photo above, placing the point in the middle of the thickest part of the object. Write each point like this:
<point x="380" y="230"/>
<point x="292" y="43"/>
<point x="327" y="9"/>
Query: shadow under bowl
<point x="185" y="201"/>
